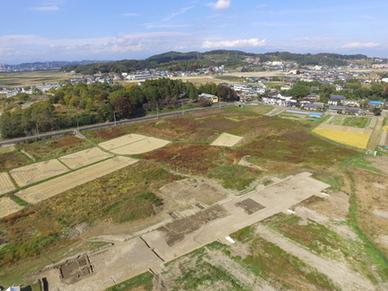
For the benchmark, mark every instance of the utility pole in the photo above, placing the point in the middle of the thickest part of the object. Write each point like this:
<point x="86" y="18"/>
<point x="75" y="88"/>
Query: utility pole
<point x="114" y="117"/>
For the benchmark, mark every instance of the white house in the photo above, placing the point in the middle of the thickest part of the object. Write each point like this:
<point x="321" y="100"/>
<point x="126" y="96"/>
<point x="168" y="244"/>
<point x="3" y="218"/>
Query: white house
<point x="210" y="97"/>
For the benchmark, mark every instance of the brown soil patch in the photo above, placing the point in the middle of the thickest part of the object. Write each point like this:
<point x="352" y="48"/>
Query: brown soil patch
<point x="335" y="206"/>
<point x="250" y="206"/>
<point x="184" y="193"/>
<point x="176" y="230"/>
<point x="66" y="141"/>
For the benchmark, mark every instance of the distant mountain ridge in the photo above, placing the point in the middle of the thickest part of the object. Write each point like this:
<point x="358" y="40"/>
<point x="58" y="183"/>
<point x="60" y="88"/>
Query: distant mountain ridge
<point x="42" y="66"/>
<point x="174" y="60"/>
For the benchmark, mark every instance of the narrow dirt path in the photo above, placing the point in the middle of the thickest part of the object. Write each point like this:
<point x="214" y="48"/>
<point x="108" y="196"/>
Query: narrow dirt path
<point x="338" y="272"/>
<point x="276" y="111"/>
<point x="376" y="134"/>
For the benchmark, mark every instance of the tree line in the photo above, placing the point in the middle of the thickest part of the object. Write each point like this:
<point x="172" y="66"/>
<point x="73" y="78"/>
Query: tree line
<point x="80" y="104"/>
<point x="352" y="89"/>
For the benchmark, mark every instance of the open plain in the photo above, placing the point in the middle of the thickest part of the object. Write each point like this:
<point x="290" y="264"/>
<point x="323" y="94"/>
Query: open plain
<point x="277" y="211"/>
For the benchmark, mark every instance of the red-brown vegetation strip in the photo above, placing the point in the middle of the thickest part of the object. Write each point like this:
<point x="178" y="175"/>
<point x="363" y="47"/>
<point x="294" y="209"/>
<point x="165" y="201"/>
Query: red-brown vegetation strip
<point x="197" y="159"/>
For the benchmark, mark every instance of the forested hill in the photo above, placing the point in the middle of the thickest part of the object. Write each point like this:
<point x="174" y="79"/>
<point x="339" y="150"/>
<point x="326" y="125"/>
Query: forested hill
<point x="231" y="58"/>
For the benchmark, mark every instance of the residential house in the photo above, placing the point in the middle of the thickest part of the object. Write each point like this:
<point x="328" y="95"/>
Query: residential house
<point x="210" y="97"/>
<point x="336" y="100"/>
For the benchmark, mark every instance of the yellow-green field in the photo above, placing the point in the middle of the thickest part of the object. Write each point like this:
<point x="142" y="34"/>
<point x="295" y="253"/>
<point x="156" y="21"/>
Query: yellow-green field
<point x="354" y="137"/>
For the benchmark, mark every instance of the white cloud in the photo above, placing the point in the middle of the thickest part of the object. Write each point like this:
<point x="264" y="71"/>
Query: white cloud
<point x="180" y="11"/>
<point x="360" y="45"/>
<point x="34" y="47"/>
<point x="46" y="8"/>
<point x="251" y="42"/>
<point x="221" y="4"/>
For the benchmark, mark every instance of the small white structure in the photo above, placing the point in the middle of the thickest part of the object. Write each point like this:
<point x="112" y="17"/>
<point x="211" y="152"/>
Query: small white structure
<point x="210" y="97"/>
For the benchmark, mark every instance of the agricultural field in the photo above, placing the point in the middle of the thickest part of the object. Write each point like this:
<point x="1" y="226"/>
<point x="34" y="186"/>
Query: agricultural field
<point x="133" y="144"/>
<point x="8" y="206"/>
<point x="37" y="172"/>
<point x="226" y="140"/>
<point x="10" y="158"/>
<point x="354" y="137"/>
<point x="63" y="183"/>
<point x="84" y="158"/>
<point x="358" y="122"/>
<point x="6" y="184"/>
<point x="178" y="185"/>
<point x="53" y="148"/>
<point x="23" y="79"/>
<point x="126" y="196"/>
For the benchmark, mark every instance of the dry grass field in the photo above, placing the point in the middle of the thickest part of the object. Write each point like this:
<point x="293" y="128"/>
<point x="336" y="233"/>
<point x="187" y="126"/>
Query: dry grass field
<point x="54" y="147"/>
<point x="84" y="158"/>
<point x="227" y="140"/>
<point x="37" y="172"/>
<point x="32" y="78"/>
<point x="355" y="137"/>
<point x="61" y="184"/>
<point x="133" y="144"/>
<point x="6" y="184"/>
<point x="8" y="207"/>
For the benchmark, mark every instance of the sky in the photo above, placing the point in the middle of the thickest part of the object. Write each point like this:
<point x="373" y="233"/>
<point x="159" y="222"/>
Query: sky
<point x="48" y="30"/>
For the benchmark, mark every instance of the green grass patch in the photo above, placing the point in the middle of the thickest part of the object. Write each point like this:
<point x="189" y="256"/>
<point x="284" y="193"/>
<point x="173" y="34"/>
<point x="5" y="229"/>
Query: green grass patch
<point x="244" y="234"/>
<point x="234" y="176"/>
<point x="273" y="263"/>
<point x="324" y="241"/>
<point x="359" y="161"/>
<point x="359" y="122"/>
<point x="376" y="255"/>
<point x="140" y="282"/>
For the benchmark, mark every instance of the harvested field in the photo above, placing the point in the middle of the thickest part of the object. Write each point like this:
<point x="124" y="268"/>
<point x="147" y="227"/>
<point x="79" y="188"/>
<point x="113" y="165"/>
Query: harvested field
<point x="133" y="144"/>
<point x="6" y="184"/>
<point x="227" y="140"/>
<point x="355" y="137"/>
<point x="37" y="172"/>
<point x="8" y="207"/>
<point x="84" y="158"/>
<point x="61" y="184"/>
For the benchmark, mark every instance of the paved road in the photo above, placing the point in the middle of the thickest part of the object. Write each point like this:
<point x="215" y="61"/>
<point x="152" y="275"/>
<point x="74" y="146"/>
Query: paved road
<point x="109" y="124"/>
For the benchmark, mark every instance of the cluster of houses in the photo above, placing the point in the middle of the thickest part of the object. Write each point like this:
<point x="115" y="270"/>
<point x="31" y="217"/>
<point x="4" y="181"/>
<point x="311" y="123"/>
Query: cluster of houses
<point x="44" y="88"/>
<point x="337" y="103"/>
